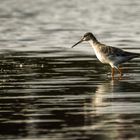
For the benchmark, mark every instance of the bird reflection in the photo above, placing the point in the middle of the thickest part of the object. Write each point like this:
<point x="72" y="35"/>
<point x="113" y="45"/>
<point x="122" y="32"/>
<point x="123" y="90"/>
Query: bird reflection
<point x="106" y="94"/>
<point x="107" y="105"/>
<point x="102" y="92"/>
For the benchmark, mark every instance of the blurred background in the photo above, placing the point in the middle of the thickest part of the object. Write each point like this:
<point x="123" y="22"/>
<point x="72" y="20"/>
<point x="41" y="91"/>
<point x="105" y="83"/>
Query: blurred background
<point x="49" y="91"/>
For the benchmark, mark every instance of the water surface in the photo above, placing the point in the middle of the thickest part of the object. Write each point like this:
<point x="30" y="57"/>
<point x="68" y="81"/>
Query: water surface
<point x="49" y="91"/>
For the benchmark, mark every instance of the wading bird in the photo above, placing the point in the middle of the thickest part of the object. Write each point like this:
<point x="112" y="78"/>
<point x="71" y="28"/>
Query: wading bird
<point x="108" y="54"/>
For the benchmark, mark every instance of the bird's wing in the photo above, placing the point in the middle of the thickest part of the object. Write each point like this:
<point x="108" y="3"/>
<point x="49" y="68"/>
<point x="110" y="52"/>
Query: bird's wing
<point x="108" y="50"/>
<point x="117" y="54"/>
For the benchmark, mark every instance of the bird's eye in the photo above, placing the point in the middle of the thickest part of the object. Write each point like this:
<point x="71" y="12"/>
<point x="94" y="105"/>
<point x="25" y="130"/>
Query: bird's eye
<point x="84" y="38"/>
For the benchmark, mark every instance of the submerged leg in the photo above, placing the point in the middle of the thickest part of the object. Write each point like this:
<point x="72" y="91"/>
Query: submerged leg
<point x="112" y="72"/>
<point x="120" y="71"/>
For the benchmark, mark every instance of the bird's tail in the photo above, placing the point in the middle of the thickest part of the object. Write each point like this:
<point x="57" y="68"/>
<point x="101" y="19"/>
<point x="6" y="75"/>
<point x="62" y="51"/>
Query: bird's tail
<point x="136" y="54"/>
<point x="133" y="55"/>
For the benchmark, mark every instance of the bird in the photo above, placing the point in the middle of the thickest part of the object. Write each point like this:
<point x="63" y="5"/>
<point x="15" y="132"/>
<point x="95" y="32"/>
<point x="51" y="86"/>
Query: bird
<point x="108" y="54"/>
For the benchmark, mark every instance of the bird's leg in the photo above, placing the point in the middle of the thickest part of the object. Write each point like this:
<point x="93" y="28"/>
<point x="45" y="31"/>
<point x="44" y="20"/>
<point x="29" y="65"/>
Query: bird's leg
<point x="120" y="71"/>
<point x="112" y="74"/>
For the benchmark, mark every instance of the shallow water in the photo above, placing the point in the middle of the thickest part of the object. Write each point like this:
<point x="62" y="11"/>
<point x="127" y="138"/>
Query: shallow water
<point x="49" y="91"/>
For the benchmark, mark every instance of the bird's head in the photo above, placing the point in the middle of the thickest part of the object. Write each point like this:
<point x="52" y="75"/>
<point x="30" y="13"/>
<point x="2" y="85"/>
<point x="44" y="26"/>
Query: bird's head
<point x="86" y="37"/>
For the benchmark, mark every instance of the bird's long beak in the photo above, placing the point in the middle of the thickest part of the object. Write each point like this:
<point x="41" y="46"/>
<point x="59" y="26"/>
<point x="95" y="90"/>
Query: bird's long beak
<point x="78" y="43"/>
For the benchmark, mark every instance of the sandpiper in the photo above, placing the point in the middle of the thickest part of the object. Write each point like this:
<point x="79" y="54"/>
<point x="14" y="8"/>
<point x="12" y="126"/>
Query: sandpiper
<point x="108" y="54"/>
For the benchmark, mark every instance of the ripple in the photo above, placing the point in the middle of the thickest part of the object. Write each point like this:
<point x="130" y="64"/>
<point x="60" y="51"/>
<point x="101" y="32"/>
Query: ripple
<point x="50" y="91"/>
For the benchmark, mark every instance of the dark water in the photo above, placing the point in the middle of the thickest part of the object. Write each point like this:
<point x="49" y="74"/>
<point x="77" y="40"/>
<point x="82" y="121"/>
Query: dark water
<point x="49" y="91"/>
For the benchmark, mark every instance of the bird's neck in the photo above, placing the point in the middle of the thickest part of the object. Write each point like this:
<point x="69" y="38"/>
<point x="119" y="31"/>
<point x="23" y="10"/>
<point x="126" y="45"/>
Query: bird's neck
<point x="94" y="43"/>
<point x="96" y="46"/>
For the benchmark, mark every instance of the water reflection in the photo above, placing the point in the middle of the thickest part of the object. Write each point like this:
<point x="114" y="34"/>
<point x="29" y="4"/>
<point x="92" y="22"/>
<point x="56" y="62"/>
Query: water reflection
<point x="59" y="94"/>
<point x="65" y="96"/>
<point x="111" y="96"/>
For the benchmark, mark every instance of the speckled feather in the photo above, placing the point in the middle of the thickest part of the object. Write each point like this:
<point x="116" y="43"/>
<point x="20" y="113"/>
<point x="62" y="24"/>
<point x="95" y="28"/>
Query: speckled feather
<point x="116" y="52"/>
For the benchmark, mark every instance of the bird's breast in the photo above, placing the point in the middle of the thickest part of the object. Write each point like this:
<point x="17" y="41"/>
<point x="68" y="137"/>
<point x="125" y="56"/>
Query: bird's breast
<point x="101" y="56"/>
